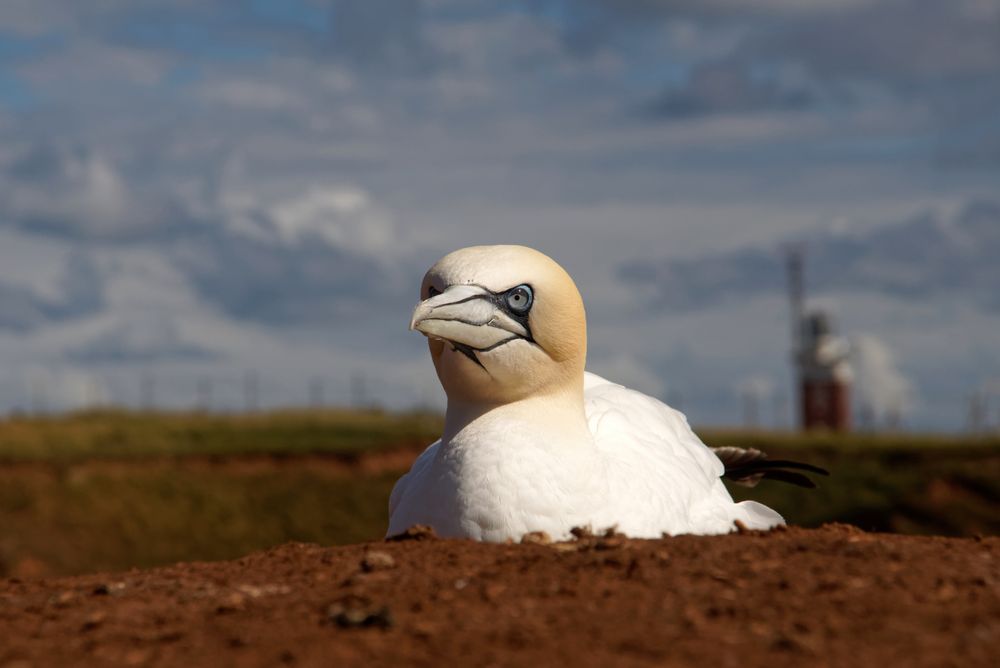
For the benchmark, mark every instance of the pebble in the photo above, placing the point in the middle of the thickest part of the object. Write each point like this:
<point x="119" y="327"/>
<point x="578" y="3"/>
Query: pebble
<point x="62" y="599"/>
<point x="346" y="615"/>
<point x="536" y="538"/>
<point x="107" y="588"/>
<point x="234" y="602"/>
<point x="377" y="561"/>
<point x="94" y="620"/>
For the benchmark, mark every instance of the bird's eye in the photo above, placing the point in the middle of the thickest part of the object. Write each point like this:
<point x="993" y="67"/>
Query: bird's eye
<point x="432" y="292"/>
<point x="519" y="299"/>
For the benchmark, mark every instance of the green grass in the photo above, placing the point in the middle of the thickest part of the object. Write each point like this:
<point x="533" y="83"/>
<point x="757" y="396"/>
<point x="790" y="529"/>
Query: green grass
<point x="94" y="521"/>
<point x="116" y="489"/>
<point x="902" y="483"/>
<point x="113" y="490"/>
<point x="124" y="434"/>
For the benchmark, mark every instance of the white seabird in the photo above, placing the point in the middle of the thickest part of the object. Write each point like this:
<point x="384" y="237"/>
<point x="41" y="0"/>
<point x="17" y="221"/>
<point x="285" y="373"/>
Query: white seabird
<point x="531" y="441"/>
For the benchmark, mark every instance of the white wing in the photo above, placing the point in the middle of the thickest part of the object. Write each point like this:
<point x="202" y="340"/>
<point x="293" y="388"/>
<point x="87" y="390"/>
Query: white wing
<point x="663" y="478"/>
<point x="649" y="474"/>
<point x="399" y="490"/>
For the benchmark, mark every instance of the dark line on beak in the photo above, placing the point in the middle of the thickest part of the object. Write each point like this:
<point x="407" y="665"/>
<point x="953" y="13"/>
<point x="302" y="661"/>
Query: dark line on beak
<point x="464" y="322"/>
<point x="500" y="343"/>
<point x="465" y="300"/>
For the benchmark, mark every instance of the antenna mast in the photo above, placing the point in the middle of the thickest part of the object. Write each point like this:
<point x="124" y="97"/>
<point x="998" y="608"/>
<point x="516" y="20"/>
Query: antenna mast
<point x="794" y="257"/>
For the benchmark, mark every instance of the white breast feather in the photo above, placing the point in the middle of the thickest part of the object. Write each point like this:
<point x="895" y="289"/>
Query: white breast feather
<point x="658" y="477"/>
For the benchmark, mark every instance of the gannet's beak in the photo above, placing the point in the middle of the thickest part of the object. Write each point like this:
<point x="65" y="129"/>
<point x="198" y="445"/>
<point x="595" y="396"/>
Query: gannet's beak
<point x="468" y="316"/>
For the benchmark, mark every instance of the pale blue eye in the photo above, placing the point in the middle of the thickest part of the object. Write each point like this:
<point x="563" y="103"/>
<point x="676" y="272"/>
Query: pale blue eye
<point x="519" y="299"/>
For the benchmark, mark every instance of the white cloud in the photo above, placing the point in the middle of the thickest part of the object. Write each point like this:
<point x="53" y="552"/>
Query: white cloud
<point x="74" y="186"/>
<point x="150" y="338"/>
<point x="276" y="194"/>
<point x="881" y="385"/>
<point x="342" y="216"/>
<point x="88" y="63"/>
<point x="255" y="95"/>
<point x="51" y="188"/>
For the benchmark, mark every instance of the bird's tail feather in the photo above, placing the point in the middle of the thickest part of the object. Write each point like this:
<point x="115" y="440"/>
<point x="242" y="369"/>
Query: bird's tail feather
<point x="748" y="466"/>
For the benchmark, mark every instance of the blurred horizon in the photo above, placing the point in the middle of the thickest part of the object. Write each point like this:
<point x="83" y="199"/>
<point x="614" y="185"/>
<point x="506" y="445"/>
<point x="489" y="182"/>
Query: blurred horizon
<point x="230" y="205"/>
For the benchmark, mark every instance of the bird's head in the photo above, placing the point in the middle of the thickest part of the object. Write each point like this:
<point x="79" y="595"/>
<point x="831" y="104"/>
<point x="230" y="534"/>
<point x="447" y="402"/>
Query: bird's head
<point x="503" y="323"/>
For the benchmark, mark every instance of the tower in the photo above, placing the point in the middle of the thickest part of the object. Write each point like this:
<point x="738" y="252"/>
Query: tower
<point x="824" y="376"/>
<point x="820" y="358"/>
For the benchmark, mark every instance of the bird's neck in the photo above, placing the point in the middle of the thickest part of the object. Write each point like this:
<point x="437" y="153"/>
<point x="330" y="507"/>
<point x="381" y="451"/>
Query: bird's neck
<point x="550" y="419"/>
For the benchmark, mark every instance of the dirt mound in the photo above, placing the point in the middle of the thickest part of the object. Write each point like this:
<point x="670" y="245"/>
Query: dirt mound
<point x="832" y="596"/>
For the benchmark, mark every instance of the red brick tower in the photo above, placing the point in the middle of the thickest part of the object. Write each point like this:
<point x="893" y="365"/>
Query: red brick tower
<point x="824" y="376"/>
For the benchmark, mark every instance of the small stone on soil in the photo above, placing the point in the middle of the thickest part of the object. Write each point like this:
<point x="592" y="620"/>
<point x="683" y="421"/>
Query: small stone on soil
<point x="93" y="621"/>
<point x="536" y="538"/>
<point x="358" y="613"/>
<point x="377" y="561"/>
<point x="231" y="603"/>
<point x="109" y="588"/>
<point x="256" y="591"/>
<point x="62" y="599"/>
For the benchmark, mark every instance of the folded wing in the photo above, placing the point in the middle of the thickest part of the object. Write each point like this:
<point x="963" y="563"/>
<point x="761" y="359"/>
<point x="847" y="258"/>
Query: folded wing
<point x="748" y="466"/>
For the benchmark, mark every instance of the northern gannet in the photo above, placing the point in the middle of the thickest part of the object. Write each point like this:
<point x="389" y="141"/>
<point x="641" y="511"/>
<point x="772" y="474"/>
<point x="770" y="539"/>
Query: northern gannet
<point x="533" y="442"/>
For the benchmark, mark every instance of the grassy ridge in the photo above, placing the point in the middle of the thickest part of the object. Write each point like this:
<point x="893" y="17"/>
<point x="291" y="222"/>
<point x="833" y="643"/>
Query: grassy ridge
<point x="900" y="483"/>
<point x="109" y="490"/>
<point x="94" y="521"/>
<point x="117" y="434"/>
<point x="113" y="490"/>
<point x="126" y="434"/>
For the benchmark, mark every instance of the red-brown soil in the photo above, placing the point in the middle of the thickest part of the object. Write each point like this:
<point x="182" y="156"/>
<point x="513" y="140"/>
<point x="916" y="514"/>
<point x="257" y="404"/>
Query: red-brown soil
<point x="832" y="596"/>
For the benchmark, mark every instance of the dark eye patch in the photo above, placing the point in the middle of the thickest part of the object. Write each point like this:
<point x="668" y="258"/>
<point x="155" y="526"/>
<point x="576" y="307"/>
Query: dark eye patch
<point x="517" y="302"/>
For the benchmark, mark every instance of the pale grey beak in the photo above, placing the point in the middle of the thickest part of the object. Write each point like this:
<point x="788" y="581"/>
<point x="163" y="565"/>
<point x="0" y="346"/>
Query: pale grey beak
<point x="467" y="315"/>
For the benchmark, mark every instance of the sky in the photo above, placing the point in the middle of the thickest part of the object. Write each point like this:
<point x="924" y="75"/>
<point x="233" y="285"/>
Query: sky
<point x="231" y="204"/>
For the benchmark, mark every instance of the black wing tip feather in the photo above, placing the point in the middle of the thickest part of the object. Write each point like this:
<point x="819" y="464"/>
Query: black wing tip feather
<point x="791" y="478"/>
<point x="748" y="466"/>
<point x="784" y="464"/>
